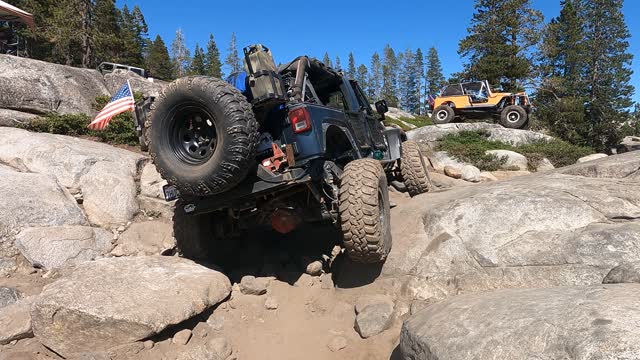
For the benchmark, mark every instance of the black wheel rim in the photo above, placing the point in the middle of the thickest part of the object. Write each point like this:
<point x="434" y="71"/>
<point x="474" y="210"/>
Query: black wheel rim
<point x="193" y="136"/>
<point x="513" y="116"/>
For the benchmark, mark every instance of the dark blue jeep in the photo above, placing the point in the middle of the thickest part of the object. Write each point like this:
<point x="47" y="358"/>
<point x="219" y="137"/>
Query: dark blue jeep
<point x="278" y="147"/>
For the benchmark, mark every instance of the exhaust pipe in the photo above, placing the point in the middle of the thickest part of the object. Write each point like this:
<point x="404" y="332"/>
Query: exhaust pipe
<point x="301" y="69"/>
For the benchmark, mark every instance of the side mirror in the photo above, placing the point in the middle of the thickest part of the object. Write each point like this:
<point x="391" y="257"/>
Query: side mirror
<point x="381" y="107"/>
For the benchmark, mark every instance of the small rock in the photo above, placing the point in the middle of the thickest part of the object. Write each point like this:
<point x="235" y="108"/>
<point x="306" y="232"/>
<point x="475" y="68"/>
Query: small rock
<point x="182" y="337"/>
<point x="220" y="346"/>
<point x="337" y="343"/>
<point x="470" y="173"/>
<point x="545" y="165"/>
<point x="314" y="268"/>
<point x="326" y="281"/>
<point x="305" y="280"/>
<point x="148" y="344"/>
<point x="624" y="273"/>
<point x="486" y="176"/>
<point x="591" y="157"/>
<point x="7" y="266"/>
<point x="514" y="161"/>
<point x="216" y="321"/>
<point x="271" y="303"/>
<point x="8" y="296"/>
<point x="373" y="319"/>
<point x="453" y="172"/>
<point x="145" y="238"/>
<point x="15" y="322"/>
<point x="368" y="300"/>
<point x="120" y="228"/>
<point x="250" y="285"/>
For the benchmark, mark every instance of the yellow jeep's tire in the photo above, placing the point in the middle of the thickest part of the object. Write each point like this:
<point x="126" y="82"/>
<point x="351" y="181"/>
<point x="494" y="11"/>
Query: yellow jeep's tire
<point x="365" y="215"/>
<point x="514" y="117"/>
<point x="413" y="169"/>
<point x="443" y="114"/>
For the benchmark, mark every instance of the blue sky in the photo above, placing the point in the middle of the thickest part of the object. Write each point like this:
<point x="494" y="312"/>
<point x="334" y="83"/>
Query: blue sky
<point x="339" y="27"/>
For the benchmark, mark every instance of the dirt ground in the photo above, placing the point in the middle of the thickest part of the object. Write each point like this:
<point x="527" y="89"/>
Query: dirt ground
<point x="309" y="314"/>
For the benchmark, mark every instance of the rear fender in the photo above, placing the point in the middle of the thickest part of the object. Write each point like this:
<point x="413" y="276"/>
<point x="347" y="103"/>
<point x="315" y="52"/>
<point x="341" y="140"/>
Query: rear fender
<point x="338" y="139"/>
<point x="395" y="137"/>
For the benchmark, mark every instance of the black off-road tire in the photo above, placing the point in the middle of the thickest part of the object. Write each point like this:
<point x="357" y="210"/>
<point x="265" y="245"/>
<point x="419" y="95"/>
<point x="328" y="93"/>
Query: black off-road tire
<point x="513" y="117"/>
<point x="413" y="169"/>
<point x="203" y="135"/>
<point x="365" y="215"/>
<point x="443" y="114"/>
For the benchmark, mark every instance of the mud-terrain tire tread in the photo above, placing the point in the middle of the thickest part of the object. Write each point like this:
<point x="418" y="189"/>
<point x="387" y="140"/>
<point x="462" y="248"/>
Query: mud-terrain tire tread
<point x="451" y="114"/>
<point x="366" y="240"/>
<point x="522" y="122"/>
<point x="413" y="169"/>
<point x="238" y="128"/>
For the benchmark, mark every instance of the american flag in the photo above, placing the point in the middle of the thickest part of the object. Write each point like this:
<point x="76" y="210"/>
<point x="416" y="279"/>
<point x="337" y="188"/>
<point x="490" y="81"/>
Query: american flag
<point x="120" y="102"/>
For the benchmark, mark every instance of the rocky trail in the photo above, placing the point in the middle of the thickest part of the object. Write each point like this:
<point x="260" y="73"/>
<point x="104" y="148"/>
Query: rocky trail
<point x="89" y="271"/>
<point x="504" y="265"/>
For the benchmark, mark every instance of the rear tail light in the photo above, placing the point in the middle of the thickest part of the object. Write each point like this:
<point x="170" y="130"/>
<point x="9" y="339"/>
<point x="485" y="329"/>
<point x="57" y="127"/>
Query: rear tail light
<point x="300" y="120"/>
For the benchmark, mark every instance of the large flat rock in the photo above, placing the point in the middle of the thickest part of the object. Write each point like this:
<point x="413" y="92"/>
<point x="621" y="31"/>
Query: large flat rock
<point x="429" y="135"/>
<point x="114" y="81"/>
<point x="115" y="301"/>
<point x="596" y="322"/>
<point x="544" y="230"/>
<point x="40" y="87"/>
<point x="67" y="158"/>
<point x="33" y="200"/>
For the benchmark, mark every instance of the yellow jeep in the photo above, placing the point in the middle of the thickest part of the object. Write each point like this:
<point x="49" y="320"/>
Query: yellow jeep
<point x="476" y="100"/>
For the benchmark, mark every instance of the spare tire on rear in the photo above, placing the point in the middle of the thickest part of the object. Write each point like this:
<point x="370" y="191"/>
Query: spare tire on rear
<point x="203" y="135"/>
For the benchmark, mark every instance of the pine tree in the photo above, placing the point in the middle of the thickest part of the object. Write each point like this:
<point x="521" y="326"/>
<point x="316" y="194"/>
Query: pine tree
<point x="501" y="38"/>
<point x="410" y="83"/>
<point x="608" y="70"/>
<point x="362" y="77"/>
<point x="212" y="59"/>
<point x="375" y="77"/>
<point x="562" y="93"/>
<point x="434" y="79"/>
<point x="141" y="34"/>
<point x="351" y="67"/>
<point x="133" y="36"/>
<point x="106" y="32"/>
<point x="419" y="71"/>
<point x="327" y="60"/>
<point x="158" y="61"/>
<point x="337" y="65"/>
<point x="233" y="59"/>
<point x="198" y="62"/>
<point x="180" y="55"/>
<point x="389" y="90"/>
<point x="586" y="92"/>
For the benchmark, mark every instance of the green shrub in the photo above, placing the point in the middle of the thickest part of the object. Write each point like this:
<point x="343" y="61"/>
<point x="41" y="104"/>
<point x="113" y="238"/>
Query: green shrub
<point x="389" y="122"/>
<point x="121" y="129"/>
<point x="560" y="153"/>
<point x="74" y="125"/>
<point x="470" y="147"/>
<point x="419" y="121"/>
